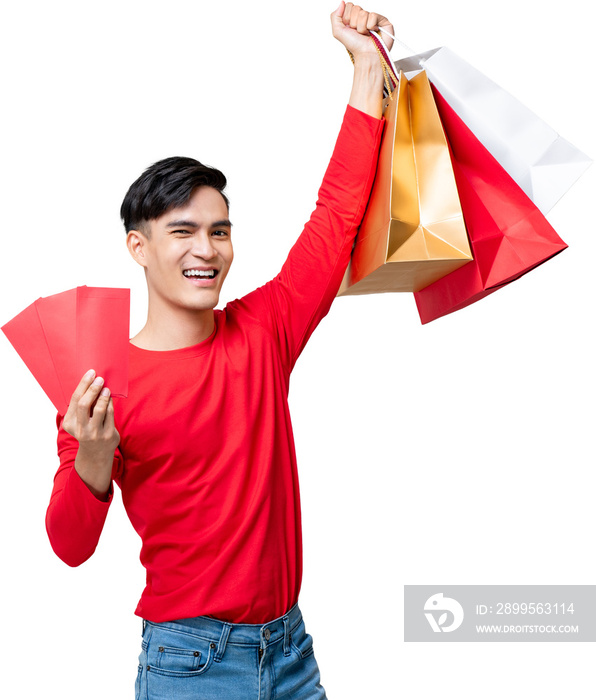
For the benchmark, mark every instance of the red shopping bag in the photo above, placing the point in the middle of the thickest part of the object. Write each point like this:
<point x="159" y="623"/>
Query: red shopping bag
<point x="508" y="233"/>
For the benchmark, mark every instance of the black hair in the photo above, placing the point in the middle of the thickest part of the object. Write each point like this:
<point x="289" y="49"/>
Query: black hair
<point x="164" y="185"/>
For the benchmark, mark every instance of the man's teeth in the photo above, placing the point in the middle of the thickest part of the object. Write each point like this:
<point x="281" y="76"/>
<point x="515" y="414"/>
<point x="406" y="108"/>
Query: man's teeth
<point x="199" y="273"/>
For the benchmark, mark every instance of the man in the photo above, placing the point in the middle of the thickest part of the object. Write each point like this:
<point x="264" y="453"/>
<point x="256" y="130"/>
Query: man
<point x="202" y="448"/>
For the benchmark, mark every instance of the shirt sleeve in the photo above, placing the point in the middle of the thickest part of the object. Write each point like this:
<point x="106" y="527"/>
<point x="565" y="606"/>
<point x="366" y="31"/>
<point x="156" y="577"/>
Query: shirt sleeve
<point x="296" y="300"/>
<point x="75" y="517"/>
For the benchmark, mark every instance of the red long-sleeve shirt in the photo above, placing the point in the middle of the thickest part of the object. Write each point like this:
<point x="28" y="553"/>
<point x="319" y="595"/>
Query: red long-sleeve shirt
<point x="206" y="461"/>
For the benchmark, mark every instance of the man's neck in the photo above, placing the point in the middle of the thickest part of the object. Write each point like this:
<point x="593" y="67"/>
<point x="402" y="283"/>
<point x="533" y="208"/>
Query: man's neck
<point x="174" y="331"/>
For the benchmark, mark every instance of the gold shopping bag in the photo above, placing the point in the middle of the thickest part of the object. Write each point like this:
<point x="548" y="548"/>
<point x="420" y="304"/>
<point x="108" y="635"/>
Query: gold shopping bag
<point x="413" y="231"/>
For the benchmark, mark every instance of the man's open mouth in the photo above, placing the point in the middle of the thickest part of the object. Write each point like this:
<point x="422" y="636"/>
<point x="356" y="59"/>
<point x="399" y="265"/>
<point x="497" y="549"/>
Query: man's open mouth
<point x="205" y="274"/>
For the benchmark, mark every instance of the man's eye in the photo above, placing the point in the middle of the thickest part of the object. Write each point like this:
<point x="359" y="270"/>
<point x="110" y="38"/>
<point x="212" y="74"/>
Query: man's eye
<point x="183" y="231"/>
<point x="220" y="233"/>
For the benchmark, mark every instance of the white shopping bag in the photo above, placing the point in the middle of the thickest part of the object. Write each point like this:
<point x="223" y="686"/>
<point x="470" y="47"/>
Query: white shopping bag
<point x="542" y="163"/>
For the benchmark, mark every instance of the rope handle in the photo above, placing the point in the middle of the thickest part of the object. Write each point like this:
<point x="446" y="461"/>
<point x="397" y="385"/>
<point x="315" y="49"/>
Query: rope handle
<point x="389" y="74"/>
<point x="409" y="51"/>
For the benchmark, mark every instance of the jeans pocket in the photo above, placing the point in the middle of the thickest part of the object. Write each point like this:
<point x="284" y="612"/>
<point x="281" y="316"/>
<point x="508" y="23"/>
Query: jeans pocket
<point x="301" y="641"/>
<point x="178" y="654"/>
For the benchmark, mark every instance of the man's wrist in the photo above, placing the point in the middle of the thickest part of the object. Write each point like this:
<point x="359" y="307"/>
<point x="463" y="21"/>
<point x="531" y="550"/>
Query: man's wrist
<point x="95" y="472"/>
<point x="367" y="87"/>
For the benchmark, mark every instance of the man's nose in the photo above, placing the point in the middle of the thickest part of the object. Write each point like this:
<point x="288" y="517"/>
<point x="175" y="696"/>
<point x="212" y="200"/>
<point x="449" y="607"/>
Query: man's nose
<point x="202" y="246"/>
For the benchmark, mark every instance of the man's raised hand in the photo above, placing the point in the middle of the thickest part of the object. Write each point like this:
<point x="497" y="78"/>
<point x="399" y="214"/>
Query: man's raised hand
<point x="351" y="25"/>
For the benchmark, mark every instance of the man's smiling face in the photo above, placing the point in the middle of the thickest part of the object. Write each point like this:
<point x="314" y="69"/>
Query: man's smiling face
<point x="187" y="252"/>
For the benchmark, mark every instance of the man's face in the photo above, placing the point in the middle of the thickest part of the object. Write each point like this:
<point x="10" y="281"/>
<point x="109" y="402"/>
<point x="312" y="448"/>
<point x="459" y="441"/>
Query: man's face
<point x="189" y="252"/>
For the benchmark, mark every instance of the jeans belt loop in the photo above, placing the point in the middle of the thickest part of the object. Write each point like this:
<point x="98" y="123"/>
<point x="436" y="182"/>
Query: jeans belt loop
<point x="223" y="640"/>
<point x="286" y="635"/>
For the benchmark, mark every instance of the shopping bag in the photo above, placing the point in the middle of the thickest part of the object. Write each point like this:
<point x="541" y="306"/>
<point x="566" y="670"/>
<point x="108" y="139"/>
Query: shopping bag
<point x="413" y="230"/>
<point x="542" y="163"/>
<point x="62" y="336"/>
<point x="508" y="233"/>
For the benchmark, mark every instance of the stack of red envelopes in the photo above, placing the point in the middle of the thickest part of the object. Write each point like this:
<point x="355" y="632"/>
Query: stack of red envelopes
<point x="62" y="336"/>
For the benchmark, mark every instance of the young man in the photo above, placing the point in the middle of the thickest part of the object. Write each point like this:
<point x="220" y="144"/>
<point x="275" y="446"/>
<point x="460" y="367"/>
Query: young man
<point x="202" y="448"/>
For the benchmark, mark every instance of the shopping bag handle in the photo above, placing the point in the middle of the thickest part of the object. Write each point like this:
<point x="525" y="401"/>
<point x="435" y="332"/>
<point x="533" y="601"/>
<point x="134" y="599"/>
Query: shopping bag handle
<point x="410" y="51"/>
<point x="389" y="73"/>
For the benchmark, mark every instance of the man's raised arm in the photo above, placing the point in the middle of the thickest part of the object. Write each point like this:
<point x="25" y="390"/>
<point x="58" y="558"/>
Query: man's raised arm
<point x="296" y="300"/>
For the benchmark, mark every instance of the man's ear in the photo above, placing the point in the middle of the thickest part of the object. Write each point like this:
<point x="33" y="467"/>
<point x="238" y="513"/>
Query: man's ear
<point x="136" y="242"/>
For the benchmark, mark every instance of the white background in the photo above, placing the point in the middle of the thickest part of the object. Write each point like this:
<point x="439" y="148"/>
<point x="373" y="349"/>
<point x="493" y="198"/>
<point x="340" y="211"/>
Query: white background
<point x="460" y="452"/>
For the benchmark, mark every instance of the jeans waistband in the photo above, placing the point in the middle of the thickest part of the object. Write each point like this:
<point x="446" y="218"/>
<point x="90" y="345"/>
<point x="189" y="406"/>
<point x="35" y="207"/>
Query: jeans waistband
<point x="223" y="633"/>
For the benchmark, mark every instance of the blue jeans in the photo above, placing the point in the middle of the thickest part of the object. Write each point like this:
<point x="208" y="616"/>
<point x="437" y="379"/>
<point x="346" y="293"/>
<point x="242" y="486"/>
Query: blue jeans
<point x="207" y="659"/>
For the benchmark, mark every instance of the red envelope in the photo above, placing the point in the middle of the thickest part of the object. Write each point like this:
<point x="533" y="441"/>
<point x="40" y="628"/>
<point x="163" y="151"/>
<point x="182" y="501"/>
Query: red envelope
<point x="103" y="327"/>
<point x="62" y="336"/>
<point x="508" y="233"/>
<point x="57" y="315"/>
<point x="26" y="334"/>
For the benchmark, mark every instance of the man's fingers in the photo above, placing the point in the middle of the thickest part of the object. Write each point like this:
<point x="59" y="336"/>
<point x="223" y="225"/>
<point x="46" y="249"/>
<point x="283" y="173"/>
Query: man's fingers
<point x="338" y="13"/>
<point x="84" y="407"/>
<point x="376" y="20"/>
<point x="90" y="415"/>
<point x="362" y="22"/>
<point x="352" y="16"/>
<point x="82" y="386"/>
<point x="74" y="407"/>
<point x="109" y="418"/>
<point x="100" y="407"/>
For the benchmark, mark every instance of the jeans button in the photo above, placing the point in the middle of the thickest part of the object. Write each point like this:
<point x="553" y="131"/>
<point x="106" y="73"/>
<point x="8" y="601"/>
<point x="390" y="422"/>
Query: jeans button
<point x="267" y="634"/>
